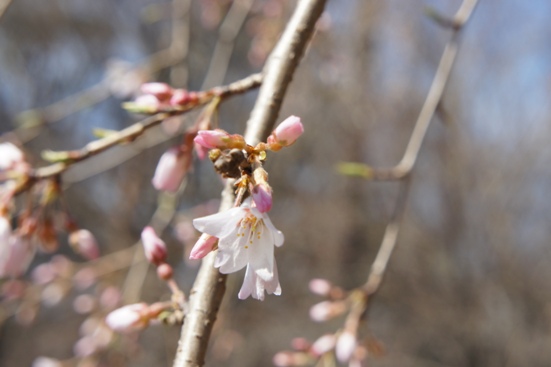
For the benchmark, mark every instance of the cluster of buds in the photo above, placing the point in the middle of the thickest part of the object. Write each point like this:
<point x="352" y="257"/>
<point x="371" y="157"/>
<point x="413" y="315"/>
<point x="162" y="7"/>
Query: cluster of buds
<point x="35" y="228"/>
<point x="344" y="345"/>
<point x="232" y="157"/>
<point x="136" y="317"/>
<point x="158" y="97"/>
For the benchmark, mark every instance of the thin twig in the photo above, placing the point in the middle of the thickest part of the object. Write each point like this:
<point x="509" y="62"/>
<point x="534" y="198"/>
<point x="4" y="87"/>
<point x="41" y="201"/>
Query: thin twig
<point x="209" y="287"/>
<point x="404" y="167"/>
<point x="230" y="28"/>
<point x="134" y="131"/>
<point x="4" y="6"/>
<point x="402" y="170"/>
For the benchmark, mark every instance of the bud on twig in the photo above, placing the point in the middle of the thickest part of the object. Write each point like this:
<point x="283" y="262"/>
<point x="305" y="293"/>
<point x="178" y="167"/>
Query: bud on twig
<point x="154" y="247"/>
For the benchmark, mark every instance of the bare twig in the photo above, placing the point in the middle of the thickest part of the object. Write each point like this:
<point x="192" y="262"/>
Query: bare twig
<point x="134" y="131"/>
<point x="233" y="22"/>
<point x="4" y="4"/>
<point x="404" y="167"/>
<point x="208" y="289"/>
<point x="402" y="170"/>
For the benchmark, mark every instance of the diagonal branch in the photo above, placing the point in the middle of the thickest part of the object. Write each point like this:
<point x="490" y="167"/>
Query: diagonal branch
<point x="404" y="167"/>
<point x="134" y="131"/>
<point x="209" y="287"/>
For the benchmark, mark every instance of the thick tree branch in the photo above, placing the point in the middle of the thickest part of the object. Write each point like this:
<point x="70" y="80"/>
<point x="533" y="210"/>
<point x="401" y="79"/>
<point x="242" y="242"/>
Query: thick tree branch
<point x="209" y="287"/>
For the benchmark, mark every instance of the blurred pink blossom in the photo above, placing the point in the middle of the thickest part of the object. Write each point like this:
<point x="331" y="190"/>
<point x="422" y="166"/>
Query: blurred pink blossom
<point x="84" y="243"/>
<point x="171" y="170"/>
<point x="129" y="318"/>
<point x="203" y="246"/>
<point x="345" y="347"/>
<point x="154" y="247"/>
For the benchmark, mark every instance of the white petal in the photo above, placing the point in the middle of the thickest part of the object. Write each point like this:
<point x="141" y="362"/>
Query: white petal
<point x="273" y="286"/>
<point x="220" y="224"/>
<point x="248" y="284"/>
<point x="278" y="236"/>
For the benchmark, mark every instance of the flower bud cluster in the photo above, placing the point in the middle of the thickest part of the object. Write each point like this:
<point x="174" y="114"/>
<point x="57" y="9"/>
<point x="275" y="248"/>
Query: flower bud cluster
<point x="220" y="143"/>
<point x="157" y="97"/>
<point x="344" y="344"/>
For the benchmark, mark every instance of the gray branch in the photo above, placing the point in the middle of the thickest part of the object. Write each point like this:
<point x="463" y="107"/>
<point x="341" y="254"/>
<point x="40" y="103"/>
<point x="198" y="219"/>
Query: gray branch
<point x="209" y="287"/>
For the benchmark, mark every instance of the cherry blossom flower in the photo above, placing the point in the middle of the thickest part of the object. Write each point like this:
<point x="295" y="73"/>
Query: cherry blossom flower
<point x="246" y="238"/>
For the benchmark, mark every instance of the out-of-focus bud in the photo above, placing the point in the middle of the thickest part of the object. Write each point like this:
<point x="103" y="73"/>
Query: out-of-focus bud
<point x="323" y="345"/>
<point x="212" y="139"/>
<point x="165" y="272"/>
<point x="300" y="344"/>
<point x="129" y="318"/>
<point x="326" y="310"/>
<point x="161" y="91"/>
<point x="10" y="156"/>
<point x="286" y="133"/>
<point x="85" y="346"/>
<point x="171" y="170"/>
<point x="203" y="246"/>
<point x="154" y="247"/>
<point x="320" y="287"/>
<point x="84" y="304"/>
<point x="290" y="359"/>
<point x="85" y="278"/>
<point x="346" y="345"/>
<point x="84" y="243"/>
<point x="46" y="362"/>
<point x="180" y="97"/>
<point x="147" y="102"/>
<point x="110" y="298"/>
<point x="15" y="256"/>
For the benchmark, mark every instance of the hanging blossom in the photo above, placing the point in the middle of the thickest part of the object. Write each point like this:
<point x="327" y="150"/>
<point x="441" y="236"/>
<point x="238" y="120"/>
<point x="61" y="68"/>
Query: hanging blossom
<point x="246" y="237"/>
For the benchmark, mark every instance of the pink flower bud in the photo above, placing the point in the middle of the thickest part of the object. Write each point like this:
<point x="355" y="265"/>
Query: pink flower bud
<point x="262" y="197"/>
<point x="346" y="345"/>
<point x="180" y="97"/>
<point x="171" y="170"/>
<point x="288" y="131"/>
<point x="203" y="246"/>
<point x="320" y="287"/>
<point x="326" y="310"/>
<point x="212" y="139"/>
<point x="15" y="256"/>
<point x="84" y="243"/>
<point x="129" y="318"/>
<point x="154" y="247"/>
<point x="321" y="311"/>
<point x="300" y="344"/>
<point x="323" y="345"/>
<point x="148" y="102"/>
<point x="161" y="91"/>
<point x="165" y="272"/>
